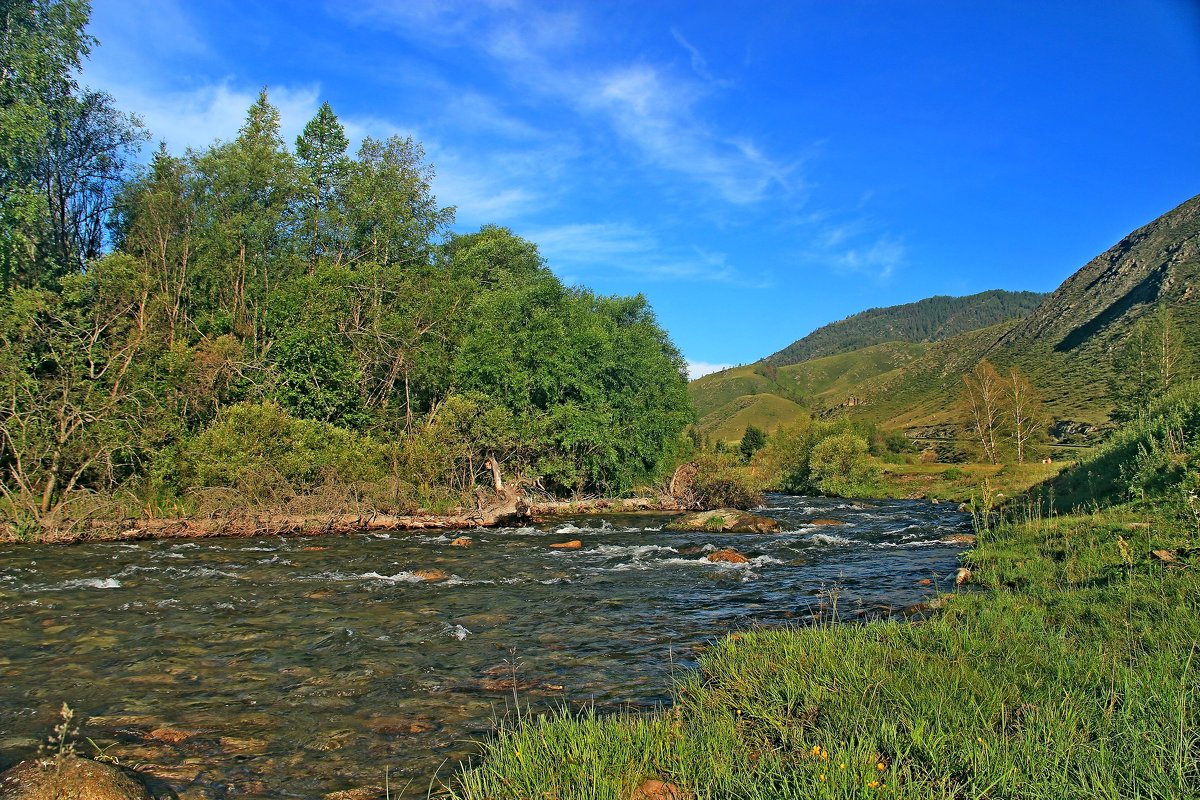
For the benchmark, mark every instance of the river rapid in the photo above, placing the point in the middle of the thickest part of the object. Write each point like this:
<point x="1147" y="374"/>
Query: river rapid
<point x="300" y="667"/>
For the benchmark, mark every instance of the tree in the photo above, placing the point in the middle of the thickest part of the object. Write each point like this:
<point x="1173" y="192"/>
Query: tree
<point x="752" y="441"/>
<point x="1147" y="366"/>
<point x="392" y="214"/>
<point x="324" y="171"/>
<point x="156" y="217"/>
<point x="248" y="188"/>
<point x="63" y="153"/>
<point x="1023" y="408"/>
<point x="983" y="395"/>
<point x="71" y="402"/>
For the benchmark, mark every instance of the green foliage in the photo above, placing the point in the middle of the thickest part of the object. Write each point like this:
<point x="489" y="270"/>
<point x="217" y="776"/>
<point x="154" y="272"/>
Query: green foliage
<point x="258" y="293"/>
<point x="1151" y="459"/>
<point x="820" y="458"/>
<point x="267" y="454"/>
<point x="722" y="481"/>
<point x="838" y="465"/>
<point x="753" y="440"/>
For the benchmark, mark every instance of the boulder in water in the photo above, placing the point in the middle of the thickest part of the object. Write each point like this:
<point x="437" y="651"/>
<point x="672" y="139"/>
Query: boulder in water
<point x="430" y="574"/>
<point x="727" y="556"/>
<point x="462" y="541"/>
<point x="69" y="776"/>
<point x="826" y="522"/>
<point x="724" y="520"/>
<point x="574" y="544"/>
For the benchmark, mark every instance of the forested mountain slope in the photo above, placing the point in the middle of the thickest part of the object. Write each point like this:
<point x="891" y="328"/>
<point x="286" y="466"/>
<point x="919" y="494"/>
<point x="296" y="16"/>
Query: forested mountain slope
<point x="930" y="320"/>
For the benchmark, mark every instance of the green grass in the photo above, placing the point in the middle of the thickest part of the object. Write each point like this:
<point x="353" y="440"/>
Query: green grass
<point x="767" y="412"/>
<point x="1069" y="673"/>
<point x="961" y="483"/>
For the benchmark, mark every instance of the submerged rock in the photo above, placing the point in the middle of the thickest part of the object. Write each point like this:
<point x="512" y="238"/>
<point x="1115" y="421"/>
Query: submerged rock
<point x="462" y="541"/>
<point x="574" y="544"/>
<point x="826" y="522"/>
<point x="430" y="574"/>
<point x="76" y="778"/>
<point x="961" y="538"/>
<point x="727" y="556"/>
<point x="724" y="520"/>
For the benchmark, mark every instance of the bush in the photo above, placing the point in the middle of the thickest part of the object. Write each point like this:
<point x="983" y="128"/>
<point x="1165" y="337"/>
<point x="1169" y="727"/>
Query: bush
<point x="838" y="465"/>
<point x="267" y="454"/>
<point x="722" y="482"/>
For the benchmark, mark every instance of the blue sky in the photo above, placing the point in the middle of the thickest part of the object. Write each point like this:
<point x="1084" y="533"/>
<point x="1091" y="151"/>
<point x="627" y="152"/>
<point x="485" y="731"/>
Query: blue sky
<point x="756" y="169"/>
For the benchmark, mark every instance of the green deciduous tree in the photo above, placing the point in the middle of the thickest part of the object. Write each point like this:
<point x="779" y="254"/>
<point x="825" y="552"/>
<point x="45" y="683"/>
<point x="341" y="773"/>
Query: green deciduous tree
<point x="1148" y="364"/>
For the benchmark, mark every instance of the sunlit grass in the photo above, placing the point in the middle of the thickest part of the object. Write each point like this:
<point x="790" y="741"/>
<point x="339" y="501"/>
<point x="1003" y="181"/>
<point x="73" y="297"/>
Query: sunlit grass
<point x="1068" y="672"/>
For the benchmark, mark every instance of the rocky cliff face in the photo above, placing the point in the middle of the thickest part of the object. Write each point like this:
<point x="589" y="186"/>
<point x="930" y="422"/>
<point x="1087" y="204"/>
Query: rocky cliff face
<point x="1158" y="264"/>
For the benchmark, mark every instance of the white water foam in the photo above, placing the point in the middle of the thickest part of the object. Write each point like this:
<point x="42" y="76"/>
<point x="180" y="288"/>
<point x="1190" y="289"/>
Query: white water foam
<point x="456" y="631"/>
<point x="828" y="538"/>
<point x="634" y="550"/>
<point x="90" y="583"/>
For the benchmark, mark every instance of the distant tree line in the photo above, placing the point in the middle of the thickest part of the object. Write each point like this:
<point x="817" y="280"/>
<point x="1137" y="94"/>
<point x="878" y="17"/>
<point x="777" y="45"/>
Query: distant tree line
<point x="264" y="319"/>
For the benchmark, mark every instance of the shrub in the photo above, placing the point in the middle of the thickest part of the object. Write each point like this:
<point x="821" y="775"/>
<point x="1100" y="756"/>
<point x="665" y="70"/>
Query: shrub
<point x="838" y="465"/>
<point x="722" y="482"/>
<point x="265" y="453"/>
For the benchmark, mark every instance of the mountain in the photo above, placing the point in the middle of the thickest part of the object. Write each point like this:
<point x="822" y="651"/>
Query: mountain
<point x="930" y="320"/>
<point x="1066" y="345"/>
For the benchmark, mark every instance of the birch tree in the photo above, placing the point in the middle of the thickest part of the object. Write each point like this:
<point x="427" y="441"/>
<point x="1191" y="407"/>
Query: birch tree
<point x="983" y="395"/>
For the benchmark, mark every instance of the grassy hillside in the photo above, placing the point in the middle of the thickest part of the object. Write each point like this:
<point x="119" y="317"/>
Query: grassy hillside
<point x="929" y="320"/>
<point x="839" y="380"/>
<point x="1068" y="346"/>
<point x="767" y="412"/>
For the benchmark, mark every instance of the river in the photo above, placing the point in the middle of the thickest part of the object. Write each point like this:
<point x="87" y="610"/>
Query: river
<point x="300" y="667"/>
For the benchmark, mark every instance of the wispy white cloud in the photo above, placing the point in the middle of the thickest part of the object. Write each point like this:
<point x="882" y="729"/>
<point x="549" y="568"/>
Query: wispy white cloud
<point x="698" y="369"/>
<point x="698" y="61"/>
<point x="592" y="249"/>
<point x="196" y="117"/>
<point x="647" y="106"/>
<point x="877" y="259"/>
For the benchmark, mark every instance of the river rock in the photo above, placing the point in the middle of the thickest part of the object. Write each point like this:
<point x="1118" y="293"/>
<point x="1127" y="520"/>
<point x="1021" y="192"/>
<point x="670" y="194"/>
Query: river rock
<point x="354" y="794"/>
<point x="574" y="544"/>
<point x="961" y="538"/>
<point x="462" y="541"/>
<point x="826" y="522"/>
<point x="724" y="520"/>
<point x="76" y="778"/>
<point x="170" y="735"/>
<point x="727" y="556"/>
<point x="430" y="574"/>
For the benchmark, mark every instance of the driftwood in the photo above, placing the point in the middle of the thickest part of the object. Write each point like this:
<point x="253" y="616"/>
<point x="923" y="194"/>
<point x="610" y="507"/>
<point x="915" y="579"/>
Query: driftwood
<point x="509" y="507"/>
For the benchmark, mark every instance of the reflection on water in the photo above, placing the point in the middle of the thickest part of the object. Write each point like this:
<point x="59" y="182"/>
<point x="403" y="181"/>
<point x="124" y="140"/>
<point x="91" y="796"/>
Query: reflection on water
<point x="303" y="666"/>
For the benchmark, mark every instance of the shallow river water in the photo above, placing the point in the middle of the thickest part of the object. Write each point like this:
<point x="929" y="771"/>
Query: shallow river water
<point x="299" y="667"/>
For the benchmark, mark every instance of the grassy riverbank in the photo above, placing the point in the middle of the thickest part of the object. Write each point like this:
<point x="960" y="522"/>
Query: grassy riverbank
<point x="1069" y="671"/>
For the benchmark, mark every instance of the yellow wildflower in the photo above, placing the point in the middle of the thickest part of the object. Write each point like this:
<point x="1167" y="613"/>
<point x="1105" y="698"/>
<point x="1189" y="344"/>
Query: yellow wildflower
<point x="881" y="766"/>
<point x="822" y="777"/>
